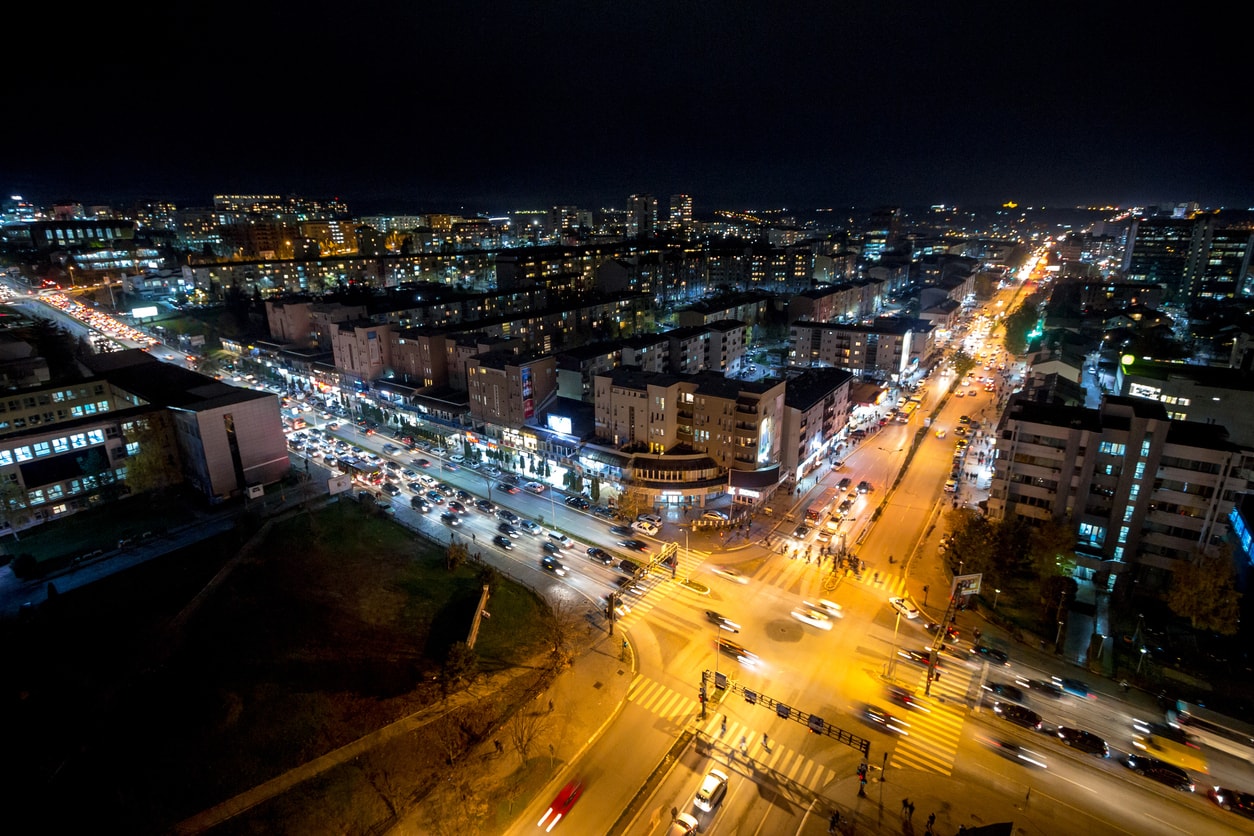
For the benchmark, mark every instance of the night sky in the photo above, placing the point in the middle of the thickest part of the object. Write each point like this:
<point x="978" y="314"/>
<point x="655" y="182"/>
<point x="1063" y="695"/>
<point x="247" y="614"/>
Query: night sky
<point x="500" y="106"/>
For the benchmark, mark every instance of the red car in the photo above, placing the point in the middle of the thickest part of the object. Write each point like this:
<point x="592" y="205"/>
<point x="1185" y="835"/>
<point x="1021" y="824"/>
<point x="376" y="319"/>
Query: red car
<point x="560" y="806"/>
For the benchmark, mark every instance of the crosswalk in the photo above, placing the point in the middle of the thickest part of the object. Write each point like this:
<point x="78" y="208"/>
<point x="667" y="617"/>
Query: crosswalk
<point x="796" y="575"/>
<point x="936" y="727"/>
<point x="788" y="764"/>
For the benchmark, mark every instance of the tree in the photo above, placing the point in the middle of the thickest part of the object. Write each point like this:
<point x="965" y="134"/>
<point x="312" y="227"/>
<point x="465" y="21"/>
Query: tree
<point x="455" y="555"/>
<point x="460" y="665"/>
<point x="13" y="508"/>
<point x="1051" y="548"/>
<point x="154" y="464"/>
<point x="1203" y="591"/>
<point x="563" y="624"/>
<point x="524" y="728"/>
<point x="594" y="488"/>
<point x="973" y="543"/>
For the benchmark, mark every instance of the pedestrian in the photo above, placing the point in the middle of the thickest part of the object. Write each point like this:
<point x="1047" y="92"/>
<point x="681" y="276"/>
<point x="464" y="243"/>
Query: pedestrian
<point x="744" y="743"/>
<point x="766" y="742"/>
<point x="724" y="731"/>
<point x="910" y="811"/>
<point x="905" y="803"/>
<point x="833" y="821"/>
<point x="1124" y="685"/>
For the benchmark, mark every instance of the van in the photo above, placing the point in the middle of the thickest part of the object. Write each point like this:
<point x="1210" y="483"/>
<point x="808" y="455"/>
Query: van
<point x="561" y="539"/>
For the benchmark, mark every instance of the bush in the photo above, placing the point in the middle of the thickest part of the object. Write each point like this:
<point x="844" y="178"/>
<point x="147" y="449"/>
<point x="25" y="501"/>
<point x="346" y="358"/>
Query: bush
<point x="25" y="566"/>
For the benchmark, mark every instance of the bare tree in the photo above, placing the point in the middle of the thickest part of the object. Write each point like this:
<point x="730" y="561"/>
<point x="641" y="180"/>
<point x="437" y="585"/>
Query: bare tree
<point x="565" y="623"/>
<point x="524" y="728"/>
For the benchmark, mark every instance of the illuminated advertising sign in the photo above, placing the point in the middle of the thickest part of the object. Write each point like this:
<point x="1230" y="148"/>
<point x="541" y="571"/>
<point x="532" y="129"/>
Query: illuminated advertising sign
<point x="528" y="393"/>
<point x="559" y="424"/>
<point x="142" y="313"/>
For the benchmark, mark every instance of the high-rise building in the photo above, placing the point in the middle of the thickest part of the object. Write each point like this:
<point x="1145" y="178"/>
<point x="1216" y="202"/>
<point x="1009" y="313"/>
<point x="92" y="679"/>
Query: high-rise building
<point x="679" y="221"/>
<point x="641" y="216"/>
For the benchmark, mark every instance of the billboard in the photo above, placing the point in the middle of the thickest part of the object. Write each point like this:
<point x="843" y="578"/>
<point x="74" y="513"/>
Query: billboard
<point x="528" y="393"/>
<point x="142" y="313"/>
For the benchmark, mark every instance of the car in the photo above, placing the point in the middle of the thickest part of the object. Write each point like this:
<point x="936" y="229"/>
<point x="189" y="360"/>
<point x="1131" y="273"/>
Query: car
<point x="634" y="545"/>
<point x="464" y="496"/>
<point x="509" y="489"/>
<point x="801" y="531"/>
<point x="422" y="462"/>
<point x="1075" y="688"/>
<point x="918" y="657"/>
<point x="576" y="501"/>
<point x="1017" y="714"/>
<point x="414" y="487"/>
<point x="865" y="487"/>
<point x="845" y="506"/>
<point x="904" y="607"/>
<point x="457" y="458"/>
<point x="1233" y="800"/>
<point x="435" y="497"/>
<point x="903" y="697"/>
<point x="552" y="564"/>
<point x="628" y="586"/>
<point x="735" y="650"/>
<point x="1086" y="742"/>
<point x="419" y="504"/>
<point x="631" y="567"/>
<point x="529" y="527"/>
<point x="1041" y="687"/>
<point x="877" y="716"/>
<point x="600" y="555"/>
<point x="951" y="632"/>
<point x="506" y="515"/>
<point x="409" y="473"/>
<point x="603" y="511"/>
<point x="712" y="790"/>
<point x="535" y="487"/>
<point x="714" y="515"/>
<point x="390" y="489"/>
<point x="451" y="467"/>
<point x="729" y="573"/>
<point x="951" y="485"/>
<point x="964" y="419"/>
<point x="560" y="806"/>
<point x="722" y="621"/>
<point x="621" y="530"/>
<point x="646" y="528"/>
<point x="649" y="518"/>
<point x="508" y="530"/>
<point x="991" y="653"/>
<point x="813" y="616"/>
<point x="503" y="541"/>
<point x="447" y="490"/>
<point x="485" y="506"/>
<point x="449" y="518"/>
<point x="940" y="433"/>
<point x="843" y="484"/>
<point x="454" y="505"/>
<point x="1015" y="752"/>
<point x="551" y="547"/>
<point x="1163" y="773"/>
<point x="683" y="825"/>
<point x="831" y="608"/>
<point x="1005" y="691"/>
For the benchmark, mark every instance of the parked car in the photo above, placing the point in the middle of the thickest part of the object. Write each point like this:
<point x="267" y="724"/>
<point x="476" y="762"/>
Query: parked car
<point x="1163" y="773"/>
<point x="714" y="515"/>
<point x="1086" y="742"/>
<point x="647" y="528"/>
<point x="603" y="511"/>
<point x="1017" y="714"/>
<point x="649" y="518"/>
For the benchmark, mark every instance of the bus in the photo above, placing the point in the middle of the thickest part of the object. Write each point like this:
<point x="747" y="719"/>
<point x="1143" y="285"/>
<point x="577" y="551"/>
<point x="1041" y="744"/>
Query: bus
<point x="1170" y="744"/>
<point x="904" y="414"/>
<point x="1213" y="729"/>
<point x="821" y="507"/>
<point x="362" y="471"/>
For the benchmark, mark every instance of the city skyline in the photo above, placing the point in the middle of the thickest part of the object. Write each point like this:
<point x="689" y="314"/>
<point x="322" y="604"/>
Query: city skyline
<point x="495" y="108"/>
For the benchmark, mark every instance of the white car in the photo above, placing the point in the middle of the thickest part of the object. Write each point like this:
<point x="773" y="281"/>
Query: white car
<point x="712" y="790"/>
<point x="645" y="527"/>
<point x="683" y="825"/>
<point x="813" y="616"/>
<point x="904" y="607"/>
<point x="714" y="515"/>
<point x="830" y="607"/>
<point x="650" y="518"/>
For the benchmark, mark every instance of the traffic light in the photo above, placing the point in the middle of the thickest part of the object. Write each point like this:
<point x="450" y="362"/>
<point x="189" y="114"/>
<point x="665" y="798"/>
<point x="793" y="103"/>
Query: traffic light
<point x="701" y="696"/>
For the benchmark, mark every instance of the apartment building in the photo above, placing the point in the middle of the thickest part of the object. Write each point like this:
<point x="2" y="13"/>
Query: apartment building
<point x="647" y="352"/>
<point x="1144" y="492"/>
<point x="508" y="389"/>
<point x="578" y="367"/>
<point x="362" y="349"/>
<point x="889" y="348"/>
<point x="816" y="413"/>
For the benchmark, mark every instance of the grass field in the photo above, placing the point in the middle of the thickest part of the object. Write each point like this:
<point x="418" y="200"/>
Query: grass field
<point x="335" y="626"/>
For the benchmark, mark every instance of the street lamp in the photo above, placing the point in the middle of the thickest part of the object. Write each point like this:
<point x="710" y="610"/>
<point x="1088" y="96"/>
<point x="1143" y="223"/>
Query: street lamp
<point x="1141" y="661"/>
<point x="995" y="597"/>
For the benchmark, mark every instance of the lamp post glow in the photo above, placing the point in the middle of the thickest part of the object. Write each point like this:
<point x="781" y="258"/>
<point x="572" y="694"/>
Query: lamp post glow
<point x="995" y="597"/>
